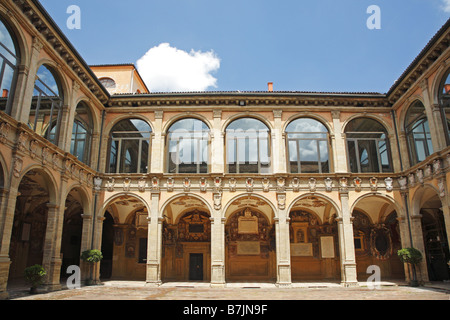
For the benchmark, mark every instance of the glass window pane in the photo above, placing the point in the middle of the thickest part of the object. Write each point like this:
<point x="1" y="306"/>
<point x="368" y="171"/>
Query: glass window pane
<point x="324" y="158"/>
<point x="145" y="146"/>
<point x="353" y="160"/>
<point x="113" y="156"/>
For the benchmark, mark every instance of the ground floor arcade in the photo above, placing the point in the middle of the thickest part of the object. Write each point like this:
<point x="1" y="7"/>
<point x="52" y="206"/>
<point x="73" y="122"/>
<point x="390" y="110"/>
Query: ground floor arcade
<point x="249" y="236"/>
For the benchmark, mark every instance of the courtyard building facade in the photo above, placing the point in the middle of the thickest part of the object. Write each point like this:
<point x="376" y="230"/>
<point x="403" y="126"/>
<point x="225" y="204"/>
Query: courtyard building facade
<point x="261" y="186"/>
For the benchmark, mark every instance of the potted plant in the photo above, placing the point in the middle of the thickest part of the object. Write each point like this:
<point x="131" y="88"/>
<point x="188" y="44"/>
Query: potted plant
<point x="412" y="257"/>
<point x="34" y="275"/>
<point x="92" y="257"/>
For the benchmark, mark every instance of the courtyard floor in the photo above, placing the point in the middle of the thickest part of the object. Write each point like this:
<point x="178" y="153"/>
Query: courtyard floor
<point x="135" y="290"/>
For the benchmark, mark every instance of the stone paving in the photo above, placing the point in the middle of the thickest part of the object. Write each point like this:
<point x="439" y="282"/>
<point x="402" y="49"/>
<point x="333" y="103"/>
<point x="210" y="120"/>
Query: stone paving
<point x="129" y="290"/>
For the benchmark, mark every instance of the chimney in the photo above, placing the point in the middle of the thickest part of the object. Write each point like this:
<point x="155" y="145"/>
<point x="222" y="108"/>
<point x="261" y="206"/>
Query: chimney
<point x="5" y="93"/>
<point x="270" y="84"/>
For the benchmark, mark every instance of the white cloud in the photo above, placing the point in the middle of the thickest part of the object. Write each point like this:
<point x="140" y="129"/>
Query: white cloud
<point x="446" y="5"/>
<point x="168" y="69"/>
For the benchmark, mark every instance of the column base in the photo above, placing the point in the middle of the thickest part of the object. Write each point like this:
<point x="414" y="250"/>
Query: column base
<point x="218" y="284"/>
<point x="284" y="285"/>
<point x="153" y="284"/>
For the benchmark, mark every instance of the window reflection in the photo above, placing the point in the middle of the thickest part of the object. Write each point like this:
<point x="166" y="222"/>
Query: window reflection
<point x="367" y="146"/>
<point x="46" y="105"/>
<point x="188" y="147"/>
<point x="418" y="133"/>
<point x="82" y="134"/>
<point x="308" y="148"/>
<point x="248" y="149"/>
<point x="444" y="100"/>
<point x="8" y="68"/>
<point x="129" y="147"/>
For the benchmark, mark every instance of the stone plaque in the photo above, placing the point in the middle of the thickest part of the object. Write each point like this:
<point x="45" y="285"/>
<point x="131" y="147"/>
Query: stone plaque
<point x="301" y="249"/>
<point x="248" y="248"/>
<point x="248" y="224"/>
<point x="327" y="247"/>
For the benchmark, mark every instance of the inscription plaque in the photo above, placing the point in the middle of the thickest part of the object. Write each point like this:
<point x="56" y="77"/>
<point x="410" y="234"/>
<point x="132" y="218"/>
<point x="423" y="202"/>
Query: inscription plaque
<point x="248" y="248"/>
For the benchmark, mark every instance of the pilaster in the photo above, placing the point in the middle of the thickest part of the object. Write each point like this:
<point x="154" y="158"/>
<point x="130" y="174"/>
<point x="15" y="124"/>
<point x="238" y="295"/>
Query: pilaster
<point x="346" y="242"/>
<point x="153" y="275"/>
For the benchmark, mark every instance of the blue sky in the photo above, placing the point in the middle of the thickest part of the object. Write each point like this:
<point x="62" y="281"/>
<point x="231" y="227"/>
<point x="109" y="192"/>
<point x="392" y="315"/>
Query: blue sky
<point x="316" y="45"/>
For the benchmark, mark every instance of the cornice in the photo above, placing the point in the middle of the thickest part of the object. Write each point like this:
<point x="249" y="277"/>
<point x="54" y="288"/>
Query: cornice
<point x="434" y="50"/>
<point x="260" y="100"/>
<point x="55" y="39"/>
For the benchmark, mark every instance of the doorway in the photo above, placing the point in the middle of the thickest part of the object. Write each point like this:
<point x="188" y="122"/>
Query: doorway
<point x="196" y="267"/>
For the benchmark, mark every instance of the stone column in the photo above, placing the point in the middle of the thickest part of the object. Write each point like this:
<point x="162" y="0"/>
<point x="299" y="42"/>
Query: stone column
<point x="434" y="119"/>
<point x="404" y="149"/>
<point x="6" y="222"/>
<point x="346" y="242"/>
<point x="157" y="161"/>
<point x="51" y="260"/>
<point x="338" y="144"/>
<point x="217" y="145"/>
<point x="21" y="111"/>
<point x="86" y="242"/>
<point x="153" y="277"/>
<point x="217" y="249"/>
<point x="278" y="145"/>
<point x="283" y="245"/>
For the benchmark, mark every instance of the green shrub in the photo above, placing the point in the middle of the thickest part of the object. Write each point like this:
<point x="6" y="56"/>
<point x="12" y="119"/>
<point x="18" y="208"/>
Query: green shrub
<point x="92" y="256"/>
<point x="410" y="255"/>
<point x="34" y="275"/>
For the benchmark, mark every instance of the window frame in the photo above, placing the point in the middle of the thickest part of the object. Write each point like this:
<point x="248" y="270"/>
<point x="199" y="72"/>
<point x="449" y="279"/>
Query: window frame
<point x="297" y="140"/>
<point x="119" y="152"/>
<point x="419" y="121"/>
<point x="237" y="163"/>
<point x="14" y="66"/>
<point x="365" y="137"/>
<point x="197" y="138"/>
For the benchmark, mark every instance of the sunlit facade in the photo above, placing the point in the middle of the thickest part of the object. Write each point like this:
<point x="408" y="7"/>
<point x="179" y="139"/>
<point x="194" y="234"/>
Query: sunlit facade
<point x="220" y="187"/>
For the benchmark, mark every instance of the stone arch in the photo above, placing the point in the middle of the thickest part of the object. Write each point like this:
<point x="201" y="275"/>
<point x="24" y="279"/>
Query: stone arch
<point x="377" y="239"/>
<point x="191" y="115"/>
<point x="60" y="77"/>
<point x="320" y="196"/>
<point x="406" y="106"/>
<point x="389" y="129"/>
<point x="116" y="197"/>
<point x="121" y="117"/>
<point x="380" y="196"/>
<point x="243" y="115"/>
<point x="326" y="123"/>
<point x="226" y="212"/>
<point x="19" y="36"/>
<point x="204" y="203"/>
<point x="437" y="81"/>
<point x="95" y="117"/>
<point x="314" y="237"/>
<point x="49" y="179"/>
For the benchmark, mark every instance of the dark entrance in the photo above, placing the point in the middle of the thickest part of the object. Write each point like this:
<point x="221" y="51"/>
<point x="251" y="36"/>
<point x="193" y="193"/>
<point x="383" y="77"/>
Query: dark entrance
<point x="196" y="266"/>
<point x="436" y="246"/>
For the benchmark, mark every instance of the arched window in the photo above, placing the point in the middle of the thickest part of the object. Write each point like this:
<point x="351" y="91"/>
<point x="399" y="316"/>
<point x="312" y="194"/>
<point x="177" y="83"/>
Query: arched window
<point x="444" y="101"/>
<point x="367" y="146"/>
<point x="188" y="150"/>
<point x="308" y="149"/>
<point x="129" y="147"/>
<point x="82" y="133"/>
<point x="108" y="83"/>
<point x="9" y="61"/>
<point x="248" y="146"/>
<point x="418" y="133"/>
<point x="46" y="106"/>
